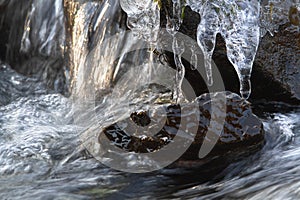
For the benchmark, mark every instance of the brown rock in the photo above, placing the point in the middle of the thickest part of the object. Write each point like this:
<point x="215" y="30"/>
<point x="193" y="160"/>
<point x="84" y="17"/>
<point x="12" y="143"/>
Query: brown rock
<point x="242" y="131"/>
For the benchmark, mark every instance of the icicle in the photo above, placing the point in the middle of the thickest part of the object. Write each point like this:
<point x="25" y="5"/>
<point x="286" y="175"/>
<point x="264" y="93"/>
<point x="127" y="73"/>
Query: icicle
<point x="242" y="35"/>
<point x="174" y="22"/>
<point x="274" y="13"/>
<point x="238" y="23"/>
<point x="206" y="38"/>
<point x="143" y="18"/>
<point x="178" y="50"/>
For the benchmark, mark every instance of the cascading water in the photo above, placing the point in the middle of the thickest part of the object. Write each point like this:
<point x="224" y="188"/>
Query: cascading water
<point x="39" y="37"/>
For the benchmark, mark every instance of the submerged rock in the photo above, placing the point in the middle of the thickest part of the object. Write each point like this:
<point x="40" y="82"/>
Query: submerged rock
<point x="240" y="133"/>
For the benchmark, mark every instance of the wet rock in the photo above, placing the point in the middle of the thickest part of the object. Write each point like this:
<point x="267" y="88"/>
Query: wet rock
<point x="279" y="57"/>
<point x="240" y="133"/>
<point x="85" y="22"/>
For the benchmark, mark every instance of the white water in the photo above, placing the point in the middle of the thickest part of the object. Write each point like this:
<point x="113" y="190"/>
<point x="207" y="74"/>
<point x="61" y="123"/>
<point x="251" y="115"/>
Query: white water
<point x="40" y="153"/>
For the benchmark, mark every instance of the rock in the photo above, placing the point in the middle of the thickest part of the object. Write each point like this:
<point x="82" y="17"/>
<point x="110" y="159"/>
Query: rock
<point x="242" y="132"/>
<point x="279" y="57"/>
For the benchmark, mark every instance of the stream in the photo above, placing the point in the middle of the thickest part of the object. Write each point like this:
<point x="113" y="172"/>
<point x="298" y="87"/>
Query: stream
<point x="42" y="155"/>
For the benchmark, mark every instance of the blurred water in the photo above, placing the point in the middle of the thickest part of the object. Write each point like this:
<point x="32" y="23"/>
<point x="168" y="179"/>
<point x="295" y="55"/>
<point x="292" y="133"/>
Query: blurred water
<point x="41" y="151"/>
<point x="41" y="157"/>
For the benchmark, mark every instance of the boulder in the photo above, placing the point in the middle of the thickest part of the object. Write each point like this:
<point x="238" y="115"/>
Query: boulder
<point x="241" y="133"/>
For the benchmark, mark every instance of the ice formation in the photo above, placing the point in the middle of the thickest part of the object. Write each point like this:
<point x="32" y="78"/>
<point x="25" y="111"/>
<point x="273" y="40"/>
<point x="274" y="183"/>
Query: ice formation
<point x="240" y="22"/>
<point x="143" y="18"/>
<point x="277" y="12"/>
<point x="174" y="22"/>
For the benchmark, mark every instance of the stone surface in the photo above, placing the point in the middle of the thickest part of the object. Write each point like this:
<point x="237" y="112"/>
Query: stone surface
<point x="242" y="131"/>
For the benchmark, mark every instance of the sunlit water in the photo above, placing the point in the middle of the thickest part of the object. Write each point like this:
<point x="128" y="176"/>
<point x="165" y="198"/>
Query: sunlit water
<point x="42" y="156"/>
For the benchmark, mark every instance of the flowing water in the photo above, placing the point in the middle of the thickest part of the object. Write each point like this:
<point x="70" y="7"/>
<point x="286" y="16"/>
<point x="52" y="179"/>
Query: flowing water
<point x="42" y="132"/>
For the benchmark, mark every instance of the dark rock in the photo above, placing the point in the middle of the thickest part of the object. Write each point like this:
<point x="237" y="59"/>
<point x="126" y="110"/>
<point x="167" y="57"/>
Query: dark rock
<point x="279" y="58"/>
<point x="242" y="131"/>
<point x="141" y="118"/>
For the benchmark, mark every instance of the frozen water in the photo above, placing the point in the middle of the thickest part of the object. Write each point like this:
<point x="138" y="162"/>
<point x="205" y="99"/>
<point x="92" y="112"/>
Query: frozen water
<point x="277" y="12"/>
<point x="238" y="23"/>
<point x="143" y="18"/>
<point x="174" y="22"/>
<point x="241" y="23"/>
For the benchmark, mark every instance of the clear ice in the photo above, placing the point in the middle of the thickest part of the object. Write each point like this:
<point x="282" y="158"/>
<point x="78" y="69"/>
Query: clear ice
<point x="143" y="18"/>
<point x="278" y="12"/>
<point x="174" y="21"/>
<point x="238" y="23"/>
